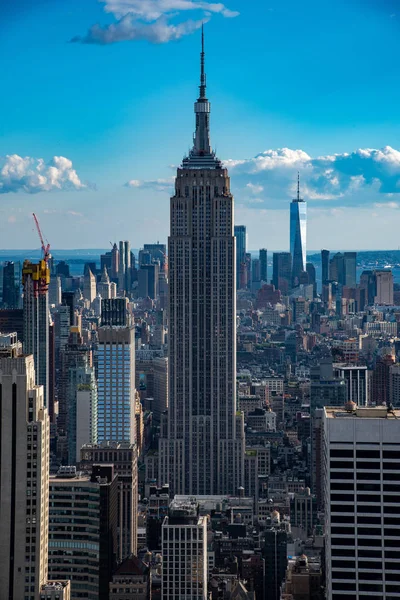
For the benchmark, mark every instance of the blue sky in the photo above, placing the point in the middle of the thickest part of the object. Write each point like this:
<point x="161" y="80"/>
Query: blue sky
<point x="310" y="86"/>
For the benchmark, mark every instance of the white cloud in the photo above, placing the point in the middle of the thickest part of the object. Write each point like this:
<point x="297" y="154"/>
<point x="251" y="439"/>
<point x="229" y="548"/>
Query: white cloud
<point x="354" y="178"/>
<point x="254" y="188"/>
<point x="158" y="185"/>
<point x="152" y="20"/>
<point x="33" y="175"/>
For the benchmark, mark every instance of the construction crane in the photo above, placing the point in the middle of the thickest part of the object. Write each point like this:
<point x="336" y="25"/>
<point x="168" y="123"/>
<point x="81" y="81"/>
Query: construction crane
<point x="45" y="247"/>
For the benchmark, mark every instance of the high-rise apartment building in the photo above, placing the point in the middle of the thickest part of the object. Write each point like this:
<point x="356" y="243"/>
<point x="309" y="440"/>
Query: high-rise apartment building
<point x="241" y="250"/>
<point x="361" y="484"/>
<point x="204" y="452"/>
<point x="124" y="458"/>
<point x="325" y="266"/>
<point x="24" y="480"/>
<point x="263" y="256"/>
<point x="116" y="384"/>
<point x="282" y="271"/>
<point x="298" y="233"/>
<point x="36" y="279"/>
<point x="184" y="552"/>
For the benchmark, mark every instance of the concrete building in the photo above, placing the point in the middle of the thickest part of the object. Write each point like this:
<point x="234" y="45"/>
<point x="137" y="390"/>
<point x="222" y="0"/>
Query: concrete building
<point x="35" y="280"/>
<point x="184" y="552"/>
<point x="124" y="458"/>
<point x="361" y="480"/>
<point x="116" y="385"/>
<point x="384" y="287"/>
<point x="203" y="451"/>
<point x="83" y="514"/>
<point x="24" y="480"/>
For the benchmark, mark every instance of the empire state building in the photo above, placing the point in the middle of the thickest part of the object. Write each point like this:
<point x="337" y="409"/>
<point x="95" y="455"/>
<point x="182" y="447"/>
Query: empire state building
<point x="202" y="448"/>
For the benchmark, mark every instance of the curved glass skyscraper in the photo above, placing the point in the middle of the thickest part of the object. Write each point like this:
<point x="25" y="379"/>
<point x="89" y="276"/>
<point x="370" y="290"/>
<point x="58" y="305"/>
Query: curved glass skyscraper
<point x="298" y="233"/>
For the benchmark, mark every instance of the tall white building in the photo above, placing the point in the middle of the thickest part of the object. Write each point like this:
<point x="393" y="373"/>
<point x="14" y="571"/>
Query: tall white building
<point x="203" y="451"/>
<point x="116" y="385"/>
<point x="361" y="484"/>
<point x="24" y="480"/>
<point x="184" y="552"/>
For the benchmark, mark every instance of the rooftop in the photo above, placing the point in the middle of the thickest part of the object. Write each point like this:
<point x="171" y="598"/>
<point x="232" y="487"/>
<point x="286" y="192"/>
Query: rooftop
<point x="369" y="412"/>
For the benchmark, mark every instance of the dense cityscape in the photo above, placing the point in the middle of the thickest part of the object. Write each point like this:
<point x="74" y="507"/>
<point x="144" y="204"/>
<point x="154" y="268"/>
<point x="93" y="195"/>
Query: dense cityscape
<point x="195" y="420"/>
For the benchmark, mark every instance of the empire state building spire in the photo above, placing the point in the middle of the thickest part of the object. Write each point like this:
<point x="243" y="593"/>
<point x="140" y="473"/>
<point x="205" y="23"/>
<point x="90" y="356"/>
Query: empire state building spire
<point x="201" y="154"/>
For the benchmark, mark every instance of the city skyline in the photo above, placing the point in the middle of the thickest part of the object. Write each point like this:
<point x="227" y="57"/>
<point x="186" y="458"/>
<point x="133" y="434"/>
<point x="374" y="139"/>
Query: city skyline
<point x="119" y="158"/>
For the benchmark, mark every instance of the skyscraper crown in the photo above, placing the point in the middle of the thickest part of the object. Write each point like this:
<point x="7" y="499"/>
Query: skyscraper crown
<point x="201" y="156"/>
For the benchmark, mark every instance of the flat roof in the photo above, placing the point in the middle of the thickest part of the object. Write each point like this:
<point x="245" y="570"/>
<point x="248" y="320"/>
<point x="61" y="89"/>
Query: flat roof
<point x="368" y="412"/>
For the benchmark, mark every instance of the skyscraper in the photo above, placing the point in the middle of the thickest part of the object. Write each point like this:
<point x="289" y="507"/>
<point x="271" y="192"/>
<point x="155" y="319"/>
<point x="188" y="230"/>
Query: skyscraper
<point x="241" y="250"/>
<point x="11" y="295"/>
<point x="184" y="552"/>
<point x="350" y="265"/>
<point x="124" y="458"/>
<point x="361" y="479"/>
<point x="325" y="266"/>
<point x="282" y="271"/>
<point x="124" y="268"/>
<point x="298" y="233"/>
<point x="204" y="453"/>
<point x="24" y="480"/>
<point x="89" y="286"/>
<point x="263" y="255"/>
<point x="36" y="279"/>
<point x="116" y="385"/>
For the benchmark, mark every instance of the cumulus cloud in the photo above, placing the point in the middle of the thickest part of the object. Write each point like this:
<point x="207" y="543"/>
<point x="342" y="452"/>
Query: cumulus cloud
<point x="353" y="178"/>
<point x="157" y="185"/>
<point x="151" y="20"/>
<point x="33" y="175"/>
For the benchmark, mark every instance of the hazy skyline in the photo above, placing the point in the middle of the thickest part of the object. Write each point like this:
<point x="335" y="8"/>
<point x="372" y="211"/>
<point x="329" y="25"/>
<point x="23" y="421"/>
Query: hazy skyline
<point x="100" y="116"/>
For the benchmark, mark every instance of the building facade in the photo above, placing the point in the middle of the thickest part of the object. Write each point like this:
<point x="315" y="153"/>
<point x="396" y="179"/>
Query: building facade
<point x="184" y="552"/>
<point x="361" y="480"/>
<point x="116" y="385"/>
<point x="24" y="480"/>
<point x="35" y="279"/>
<point x="204" y="451"/>
<point x="124" y="458"/>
